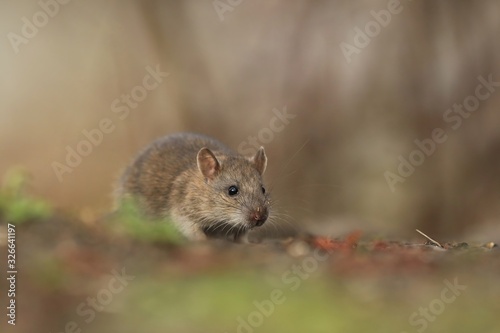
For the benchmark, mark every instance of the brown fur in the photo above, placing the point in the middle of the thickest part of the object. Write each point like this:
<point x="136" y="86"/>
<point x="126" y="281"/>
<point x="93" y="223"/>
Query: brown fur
<point x="186" y="178"/>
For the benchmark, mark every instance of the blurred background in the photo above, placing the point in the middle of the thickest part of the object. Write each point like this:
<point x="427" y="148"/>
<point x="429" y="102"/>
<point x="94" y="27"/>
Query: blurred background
<point x="352" y="84"/>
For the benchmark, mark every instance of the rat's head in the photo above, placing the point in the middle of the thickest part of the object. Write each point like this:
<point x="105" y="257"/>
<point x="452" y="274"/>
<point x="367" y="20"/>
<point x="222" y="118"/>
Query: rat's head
<point x="238" y="197"/>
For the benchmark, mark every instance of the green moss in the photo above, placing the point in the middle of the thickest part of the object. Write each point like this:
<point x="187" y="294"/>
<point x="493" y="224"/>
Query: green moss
<point x="130" y="221"/>
<point x="16" y="206"/>
<point x="221" y="302"/>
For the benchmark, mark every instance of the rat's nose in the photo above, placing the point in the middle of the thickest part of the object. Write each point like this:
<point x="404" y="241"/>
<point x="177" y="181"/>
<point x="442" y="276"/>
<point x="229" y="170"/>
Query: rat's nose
<point x="259" y="216"/>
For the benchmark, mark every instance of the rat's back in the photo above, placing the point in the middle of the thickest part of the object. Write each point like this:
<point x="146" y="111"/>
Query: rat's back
<point x="150" y="177"/>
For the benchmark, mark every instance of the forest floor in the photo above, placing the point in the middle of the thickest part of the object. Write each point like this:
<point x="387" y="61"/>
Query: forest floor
<point x="128" y="276"/>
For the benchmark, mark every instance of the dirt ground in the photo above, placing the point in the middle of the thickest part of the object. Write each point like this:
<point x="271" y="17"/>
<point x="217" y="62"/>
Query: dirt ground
<point x="112" y="275"/>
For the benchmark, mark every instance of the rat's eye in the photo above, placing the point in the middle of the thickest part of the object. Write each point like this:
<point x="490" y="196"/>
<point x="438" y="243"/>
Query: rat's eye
<point x="232" y="190"/>
<point x="263" y="190"/>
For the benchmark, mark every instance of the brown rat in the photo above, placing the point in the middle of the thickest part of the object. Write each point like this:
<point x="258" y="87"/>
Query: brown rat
<point x="202" y="186"/>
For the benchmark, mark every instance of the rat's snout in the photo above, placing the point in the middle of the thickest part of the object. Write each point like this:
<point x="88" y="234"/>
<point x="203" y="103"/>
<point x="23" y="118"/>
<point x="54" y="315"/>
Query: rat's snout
<point x="258" y="216"/>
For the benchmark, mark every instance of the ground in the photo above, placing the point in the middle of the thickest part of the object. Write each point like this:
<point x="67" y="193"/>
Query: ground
<point x="124" y="274"/>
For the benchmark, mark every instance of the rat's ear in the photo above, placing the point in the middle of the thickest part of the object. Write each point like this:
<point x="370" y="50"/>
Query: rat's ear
<point x="260" y="160"/>
<point x="208" y="163"/>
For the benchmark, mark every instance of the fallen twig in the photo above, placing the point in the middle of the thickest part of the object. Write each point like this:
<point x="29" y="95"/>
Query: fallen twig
<point x="430" y="239"/>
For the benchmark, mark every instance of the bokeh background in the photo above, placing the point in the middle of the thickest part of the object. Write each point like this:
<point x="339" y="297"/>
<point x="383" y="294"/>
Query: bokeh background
<point x="228" y="72"/>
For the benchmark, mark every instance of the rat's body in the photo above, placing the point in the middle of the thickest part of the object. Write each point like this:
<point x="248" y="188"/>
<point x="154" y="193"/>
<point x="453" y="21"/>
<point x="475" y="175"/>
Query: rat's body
<point x="205" y="188"/>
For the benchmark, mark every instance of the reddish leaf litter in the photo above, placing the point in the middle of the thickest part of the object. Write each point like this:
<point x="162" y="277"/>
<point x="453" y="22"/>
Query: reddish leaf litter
<point x="352" y="256"/>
